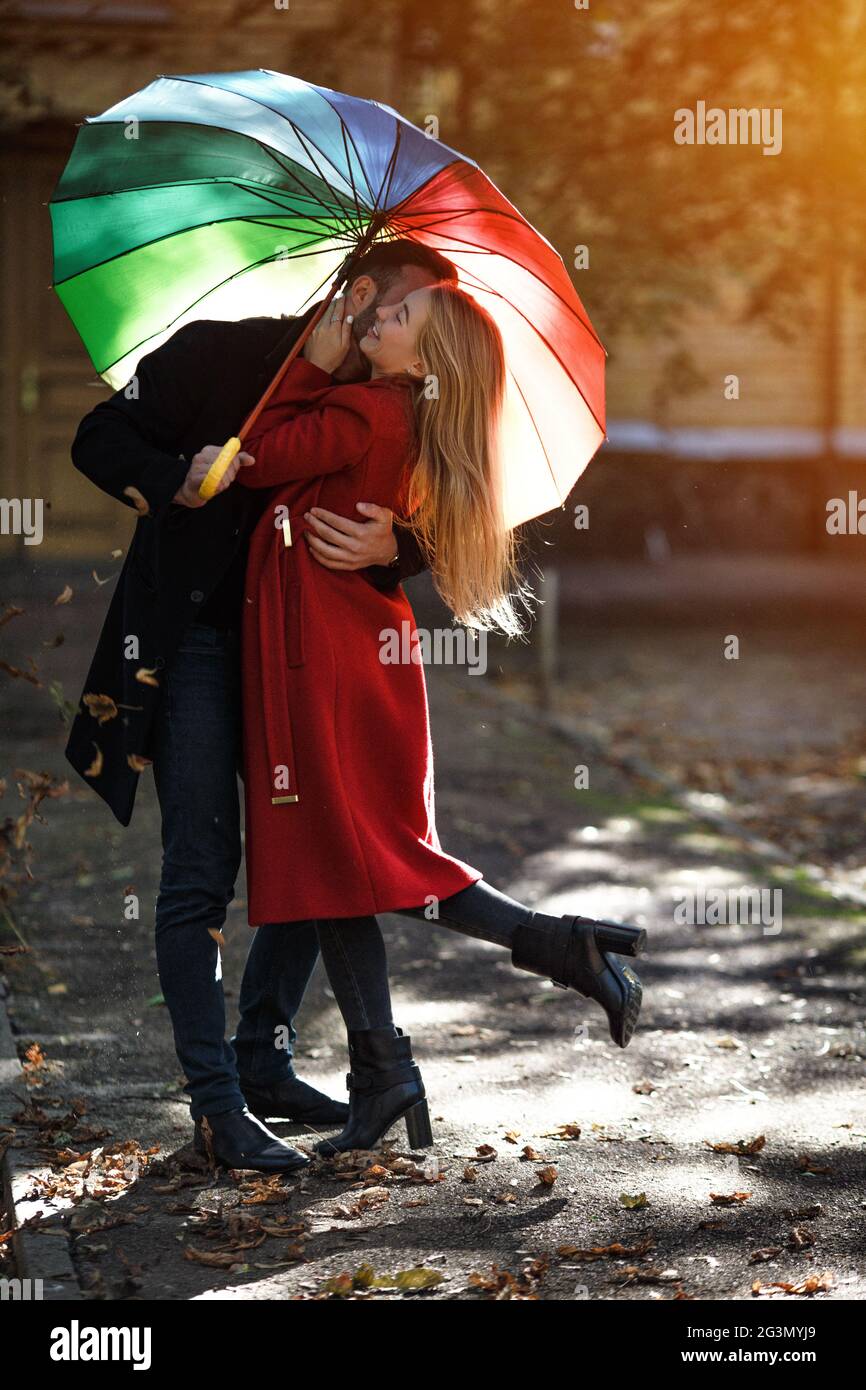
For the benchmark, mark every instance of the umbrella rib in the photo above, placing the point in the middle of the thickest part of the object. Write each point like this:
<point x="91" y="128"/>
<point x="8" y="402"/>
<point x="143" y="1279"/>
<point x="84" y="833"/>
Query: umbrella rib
<point x="345" y="241"/>
<point x="474" y="249"/>
<point x="258" y="192"/>
<point x="321" y="285"/>
<point x="338" y="208"/>
<point x="347" y="134"/>
<point x="515" y="216"/>
<point x="488" y="289"/>
<point x="538" y="434"/>
<point x="167" y="236"/>
<point x="344" y="132"/>
<point x="234" y="276"/>
<point x="302" y="137"/>
<point x="388" y="175"/>
<point x="278" y="157"/>
<point x="265" y="107"/>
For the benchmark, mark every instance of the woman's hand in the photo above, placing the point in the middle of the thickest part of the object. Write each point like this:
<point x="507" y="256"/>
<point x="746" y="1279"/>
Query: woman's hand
<point x="331" y="338"/>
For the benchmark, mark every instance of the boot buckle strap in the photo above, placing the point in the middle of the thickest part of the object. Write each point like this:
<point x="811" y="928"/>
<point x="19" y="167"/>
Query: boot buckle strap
<point x="378" y="1080"/>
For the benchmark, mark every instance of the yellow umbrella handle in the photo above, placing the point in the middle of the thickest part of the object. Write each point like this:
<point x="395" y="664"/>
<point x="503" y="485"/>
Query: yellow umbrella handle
<point x="216" y="472"/>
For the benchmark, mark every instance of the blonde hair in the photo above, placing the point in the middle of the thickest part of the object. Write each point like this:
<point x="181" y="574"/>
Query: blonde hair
<point x="455" y="492"/>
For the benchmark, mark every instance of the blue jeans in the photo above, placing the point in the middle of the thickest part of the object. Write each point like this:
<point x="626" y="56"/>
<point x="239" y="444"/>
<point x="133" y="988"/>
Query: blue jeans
<point x="196" y="758"/>
<point x="356" y="963"/>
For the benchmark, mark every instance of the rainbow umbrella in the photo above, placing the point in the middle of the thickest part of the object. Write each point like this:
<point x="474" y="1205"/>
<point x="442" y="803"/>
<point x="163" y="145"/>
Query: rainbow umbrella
<point x="228" y="195"/>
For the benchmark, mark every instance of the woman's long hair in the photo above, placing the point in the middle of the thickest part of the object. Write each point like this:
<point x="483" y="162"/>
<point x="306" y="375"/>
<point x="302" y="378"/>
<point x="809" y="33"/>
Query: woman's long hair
<point x="455" y="492"/>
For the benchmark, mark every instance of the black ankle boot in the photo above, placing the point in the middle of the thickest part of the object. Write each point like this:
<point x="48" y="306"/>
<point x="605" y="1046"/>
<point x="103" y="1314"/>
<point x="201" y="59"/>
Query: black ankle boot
<point x="294" y="1099"/>
<point x="580" y="953"/>
<point x="384" y="1086"/>
<point x="241" y="1141"/>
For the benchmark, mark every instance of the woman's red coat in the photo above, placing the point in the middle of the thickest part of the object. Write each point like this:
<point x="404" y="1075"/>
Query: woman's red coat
<point x="338" y="763"/>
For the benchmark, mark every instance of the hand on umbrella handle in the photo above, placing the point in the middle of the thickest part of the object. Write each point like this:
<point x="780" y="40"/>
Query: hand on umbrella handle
<point x="216" y="472"/>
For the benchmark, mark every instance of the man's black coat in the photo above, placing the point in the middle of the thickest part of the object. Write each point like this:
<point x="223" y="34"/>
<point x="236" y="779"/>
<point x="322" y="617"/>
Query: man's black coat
<point x="194" y="390"/>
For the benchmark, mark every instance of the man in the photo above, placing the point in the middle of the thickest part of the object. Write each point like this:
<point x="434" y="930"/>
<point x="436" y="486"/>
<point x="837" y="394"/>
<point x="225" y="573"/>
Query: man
<point x="164" y="687"/>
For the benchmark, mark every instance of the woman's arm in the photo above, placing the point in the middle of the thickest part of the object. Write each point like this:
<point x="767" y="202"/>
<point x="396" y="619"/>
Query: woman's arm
<point x="332" y="431"/>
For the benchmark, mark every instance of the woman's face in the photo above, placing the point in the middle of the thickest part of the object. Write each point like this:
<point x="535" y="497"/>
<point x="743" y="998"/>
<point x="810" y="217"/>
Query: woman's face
<point x="391" y="343"/>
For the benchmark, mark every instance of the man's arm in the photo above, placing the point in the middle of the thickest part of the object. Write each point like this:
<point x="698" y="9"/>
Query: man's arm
<point x="410" y="561"/>
<point x="130" y="440"/>
<point x="339" y="542"/>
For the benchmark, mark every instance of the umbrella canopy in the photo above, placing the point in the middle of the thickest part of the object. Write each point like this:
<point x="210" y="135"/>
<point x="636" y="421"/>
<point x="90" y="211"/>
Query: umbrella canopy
<point x="227" y="195"/>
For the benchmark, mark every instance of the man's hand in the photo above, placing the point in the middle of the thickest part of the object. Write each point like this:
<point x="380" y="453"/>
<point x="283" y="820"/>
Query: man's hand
<point x="187" y="495"/>
<point x="341" y="544"/>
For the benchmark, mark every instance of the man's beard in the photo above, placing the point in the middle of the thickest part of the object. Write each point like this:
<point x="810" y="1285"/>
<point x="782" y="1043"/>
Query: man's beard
<point x="364" y="321"/>
<point x="357" y="366"/>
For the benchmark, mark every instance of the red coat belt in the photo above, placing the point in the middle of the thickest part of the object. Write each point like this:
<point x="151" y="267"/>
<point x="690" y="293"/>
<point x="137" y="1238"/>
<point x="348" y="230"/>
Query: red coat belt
<point x="279" y="625"/>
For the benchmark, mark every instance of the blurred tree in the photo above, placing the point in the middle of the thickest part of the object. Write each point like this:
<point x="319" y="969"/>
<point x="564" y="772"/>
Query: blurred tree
<point x="571" y="111"/>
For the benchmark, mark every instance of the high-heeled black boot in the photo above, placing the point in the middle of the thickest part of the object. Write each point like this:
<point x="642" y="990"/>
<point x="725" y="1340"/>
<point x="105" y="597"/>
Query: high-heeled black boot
<point x="239" y="1140"/>
<point x="580" y="953"/>
<point x="384" y="1086"/>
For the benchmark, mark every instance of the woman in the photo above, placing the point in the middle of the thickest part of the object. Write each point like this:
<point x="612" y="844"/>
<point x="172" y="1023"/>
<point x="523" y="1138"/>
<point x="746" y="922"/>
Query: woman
<point x="338" y="763"/>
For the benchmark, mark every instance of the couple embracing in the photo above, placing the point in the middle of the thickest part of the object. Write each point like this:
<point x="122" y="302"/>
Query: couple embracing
<point x="260" y="615"/>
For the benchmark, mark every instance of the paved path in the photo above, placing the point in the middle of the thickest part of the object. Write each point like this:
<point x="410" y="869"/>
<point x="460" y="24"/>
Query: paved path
<point x="747" y="1037"/>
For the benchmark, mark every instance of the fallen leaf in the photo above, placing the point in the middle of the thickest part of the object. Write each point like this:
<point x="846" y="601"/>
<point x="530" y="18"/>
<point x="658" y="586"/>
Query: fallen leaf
<point x="599" y="1252"/>
<point x="216" y="1259"/>
<point x="743" y="1147"/>
<point x="569" y="1131"/>
<point x="813" y="1283"/>
<point x="808" y="1165"/>
<point x="96" y="766"/>
<point x="9" y="612"/>
<point x="102" y="707"/>
<point x="17" y="672"/>
<point x="141" y="504"/>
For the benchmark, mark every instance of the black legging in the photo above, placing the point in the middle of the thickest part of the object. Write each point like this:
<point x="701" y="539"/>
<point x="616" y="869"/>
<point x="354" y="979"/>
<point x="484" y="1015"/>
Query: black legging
<point x="354" y="956"/>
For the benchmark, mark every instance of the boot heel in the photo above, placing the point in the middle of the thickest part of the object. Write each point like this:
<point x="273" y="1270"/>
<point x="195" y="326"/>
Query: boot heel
<point x="418" y="1126"/>
<point x="622" y="941"/>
